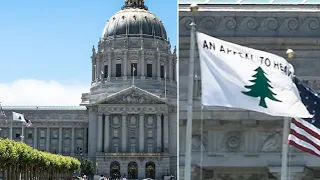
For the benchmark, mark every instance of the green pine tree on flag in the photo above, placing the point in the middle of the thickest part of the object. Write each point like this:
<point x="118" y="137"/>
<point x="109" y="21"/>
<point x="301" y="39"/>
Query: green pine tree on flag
<point x="261" y="88"/>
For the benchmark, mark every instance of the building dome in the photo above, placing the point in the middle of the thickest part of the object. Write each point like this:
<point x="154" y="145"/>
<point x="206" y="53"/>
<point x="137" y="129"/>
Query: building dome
<point x="134" y="20"/>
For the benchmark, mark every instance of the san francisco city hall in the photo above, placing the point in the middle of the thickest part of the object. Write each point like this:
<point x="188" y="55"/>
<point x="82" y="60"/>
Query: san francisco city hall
<point x="127" y="123"/>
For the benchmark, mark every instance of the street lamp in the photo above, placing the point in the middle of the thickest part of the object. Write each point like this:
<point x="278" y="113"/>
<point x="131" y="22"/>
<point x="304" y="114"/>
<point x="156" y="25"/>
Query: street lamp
<point x="187" y="173"/>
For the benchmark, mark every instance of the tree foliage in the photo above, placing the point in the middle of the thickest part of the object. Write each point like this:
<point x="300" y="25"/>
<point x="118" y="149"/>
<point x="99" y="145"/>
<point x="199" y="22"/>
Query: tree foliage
<point x="87" y="168"/>
<point x="18" y="159"/>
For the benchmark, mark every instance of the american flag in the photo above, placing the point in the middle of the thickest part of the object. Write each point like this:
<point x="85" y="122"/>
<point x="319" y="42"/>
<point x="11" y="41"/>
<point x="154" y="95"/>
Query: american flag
<point x="27" y="123"/>
<point x="305" y="133"/>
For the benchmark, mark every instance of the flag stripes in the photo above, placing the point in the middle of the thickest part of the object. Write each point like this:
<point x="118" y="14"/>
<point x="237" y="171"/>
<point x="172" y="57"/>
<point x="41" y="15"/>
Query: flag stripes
<point x="305" y="133"/>
<point x="304" y="136"/>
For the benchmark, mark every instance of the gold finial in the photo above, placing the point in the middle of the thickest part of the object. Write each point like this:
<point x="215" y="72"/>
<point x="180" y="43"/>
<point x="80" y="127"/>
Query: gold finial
<point x="290" y="53"/>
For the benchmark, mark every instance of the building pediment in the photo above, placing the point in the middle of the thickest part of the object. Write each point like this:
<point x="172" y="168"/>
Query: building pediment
<point x="132" y="95"/>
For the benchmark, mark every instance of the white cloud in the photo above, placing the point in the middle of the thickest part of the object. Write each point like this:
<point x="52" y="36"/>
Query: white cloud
<point x="32" y="92"/>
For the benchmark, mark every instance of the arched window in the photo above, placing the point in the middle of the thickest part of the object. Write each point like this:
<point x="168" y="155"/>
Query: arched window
<point x="132" y="170"/>
<point x="150" y="170"/>
<point x="115" y="169"/>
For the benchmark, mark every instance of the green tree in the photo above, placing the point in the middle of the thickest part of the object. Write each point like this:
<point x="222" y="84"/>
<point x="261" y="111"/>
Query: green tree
<point x="261" y="88"/>
<point x="87" y="168"/>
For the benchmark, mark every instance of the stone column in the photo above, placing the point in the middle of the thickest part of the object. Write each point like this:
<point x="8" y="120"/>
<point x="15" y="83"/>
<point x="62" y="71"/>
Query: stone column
<point x="125" y="64"/>
<point x="35" y="138"/>
<point x="73" y="139"/>
<point x="109" y="65"/>
<point x="98" y="69"/>
<point x="48" y="140"/>
<point x="99" y="135"/>
<point x="60" y="140"/>
<point x="85" y="140"/>
<point x="158" y="66"/>
<point x="158" y="133"/>
<point x="106" y="133"/>
<point x="141" y="133"/>
<point x="93" y="71"/>
<point x="170" y="68"/>
<point x="92" y="131"/>
<point x="166" y="133"/>
<point x="124" y="133"/>
<point x="142" y="65"/>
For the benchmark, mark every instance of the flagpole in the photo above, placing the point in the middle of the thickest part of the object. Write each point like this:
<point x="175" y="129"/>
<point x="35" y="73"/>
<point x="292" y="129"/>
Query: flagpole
<point x="22" y="132"/>
<point x="285" y="146"/>
<point x="187" y="172"/>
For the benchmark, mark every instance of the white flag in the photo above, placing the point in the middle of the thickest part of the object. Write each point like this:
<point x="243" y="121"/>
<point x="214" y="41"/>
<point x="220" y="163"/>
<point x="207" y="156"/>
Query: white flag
<point x="18" y="117"/>
<point x="241" y="77"/>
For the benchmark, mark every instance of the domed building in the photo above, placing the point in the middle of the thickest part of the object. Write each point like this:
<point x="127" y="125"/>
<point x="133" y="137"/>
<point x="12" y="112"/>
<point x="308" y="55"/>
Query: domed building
<point x="124" y="123"/>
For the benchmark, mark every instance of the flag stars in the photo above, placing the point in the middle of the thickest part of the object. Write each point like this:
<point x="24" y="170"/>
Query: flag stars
<point x="307" y="97"/>
<point x="315" y="102"/>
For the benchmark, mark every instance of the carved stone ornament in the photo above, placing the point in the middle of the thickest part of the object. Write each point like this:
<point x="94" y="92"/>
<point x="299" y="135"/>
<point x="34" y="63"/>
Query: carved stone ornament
<point x="134" y="98"/>
<point x="147" y="109"/>
<point x="233" y="141"/>
<point x="271" y="142"/>
<point x="197" y="143"/>
<point x="244" y="24"/>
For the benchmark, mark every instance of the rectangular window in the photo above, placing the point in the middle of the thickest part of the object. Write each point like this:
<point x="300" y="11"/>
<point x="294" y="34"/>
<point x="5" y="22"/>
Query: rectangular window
<point x="150" y="133"/>
<point x="150" y="148"/>
<point x="67" y="133"/>
<point x="105" y="71"/>
<point x="80" y="133"/>
<point x="116" y="148"/>
<point x="149" y="70"/>
<point x="42" y="134"/>
<point x="18" y="135"/>
<point x="66" y="150"/>
<point x="115" y="133"/>
<point x="132" y="133"/>
<point x="66" y="146"/>
<point x="5" y="133"/>
<point x="42" y="143"/>
<point x="54" y="145"/>
<point x="134" y="69"/>
<point x="54" y="134"/>
<point x="133" y="148"/>
<point x="30" y="135"/>
<point x="118" y="70"/>
<point x="162" y="71"/>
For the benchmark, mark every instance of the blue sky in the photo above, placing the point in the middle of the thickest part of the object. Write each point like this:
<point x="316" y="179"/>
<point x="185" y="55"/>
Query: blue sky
<point x="51" y="41"/>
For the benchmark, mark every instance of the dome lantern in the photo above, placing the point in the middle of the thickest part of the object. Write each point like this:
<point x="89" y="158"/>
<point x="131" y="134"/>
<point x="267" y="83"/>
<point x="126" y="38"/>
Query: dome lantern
<point x="134" y="4"/>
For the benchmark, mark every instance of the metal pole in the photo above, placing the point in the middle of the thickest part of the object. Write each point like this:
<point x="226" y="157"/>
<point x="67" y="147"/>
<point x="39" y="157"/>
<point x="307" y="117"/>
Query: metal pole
<point x="284" y="163"/>
<point x="22" y="133"/>
<point x="285" y="146"/>
<point x="187" y="172"/>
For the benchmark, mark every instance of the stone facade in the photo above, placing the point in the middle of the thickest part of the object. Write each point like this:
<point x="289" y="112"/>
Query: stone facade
<point x="127" y="123"/>
<point x="231" y="144"/>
